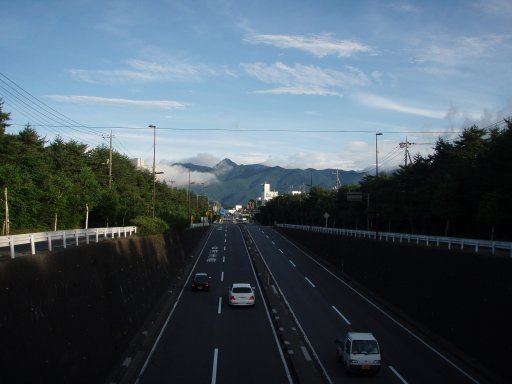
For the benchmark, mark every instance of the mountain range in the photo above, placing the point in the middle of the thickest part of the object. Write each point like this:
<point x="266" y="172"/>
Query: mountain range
<point x="237" y="184"/>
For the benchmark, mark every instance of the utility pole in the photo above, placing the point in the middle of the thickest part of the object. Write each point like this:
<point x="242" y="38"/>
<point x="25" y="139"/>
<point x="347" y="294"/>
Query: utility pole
<point x="338" y="182"/>
<point x="86" y="216"/>
<point x="110" y="163"/>
<point x="407" y="154"/>
<point x="110" y="160"/>
<point x="6" y="213"/>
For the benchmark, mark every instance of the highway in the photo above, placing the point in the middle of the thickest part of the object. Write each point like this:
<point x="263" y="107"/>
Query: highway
<point x="327" y="307"/>
<point x="206" y="341"/>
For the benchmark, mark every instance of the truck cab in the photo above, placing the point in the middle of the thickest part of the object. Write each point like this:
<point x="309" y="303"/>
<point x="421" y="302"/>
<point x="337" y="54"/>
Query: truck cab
<point x="359" y="352"/>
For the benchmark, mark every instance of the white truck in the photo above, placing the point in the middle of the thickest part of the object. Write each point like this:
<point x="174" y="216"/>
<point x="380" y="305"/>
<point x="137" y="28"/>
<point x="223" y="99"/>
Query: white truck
<point x="359" y="352"/>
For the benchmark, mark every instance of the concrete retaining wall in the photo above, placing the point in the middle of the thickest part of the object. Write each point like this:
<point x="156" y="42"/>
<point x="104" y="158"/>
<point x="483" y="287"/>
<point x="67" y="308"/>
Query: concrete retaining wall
<point x="462" y="297"/>
<point x="65" y="317"/>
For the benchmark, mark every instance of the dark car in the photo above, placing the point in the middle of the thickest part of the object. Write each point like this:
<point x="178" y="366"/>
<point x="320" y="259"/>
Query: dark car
<point x="200" y="282"/>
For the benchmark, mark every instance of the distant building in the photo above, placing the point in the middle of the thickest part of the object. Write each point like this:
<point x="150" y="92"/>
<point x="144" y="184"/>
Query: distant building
<point x="139" y="163"/>
<point x="267" y="194"/>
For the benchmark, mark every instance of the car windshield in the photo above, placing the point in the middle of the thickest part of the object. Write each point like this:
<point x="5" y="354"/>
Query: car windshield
<point x="242" y="290"/>
<point x="365" y="347"/>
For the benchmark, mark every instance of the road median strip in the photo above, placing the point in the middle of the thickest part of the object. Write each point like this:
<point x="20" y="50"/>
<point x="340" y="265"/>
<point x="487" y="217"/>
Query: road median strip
<point x="304" y="370"/>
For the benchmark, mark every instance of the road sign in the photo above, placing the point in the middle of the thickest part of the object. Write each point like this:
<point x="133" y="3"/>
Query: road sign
<point x="355" y="196"/>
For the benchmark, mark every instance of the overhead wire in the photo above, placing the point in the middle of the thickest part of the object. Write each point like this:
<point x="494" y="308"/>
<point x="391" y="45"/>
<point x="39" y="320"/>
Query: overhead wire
<point x="43" y="108"/>
<point x="44" y="115"/>
<point x="17" y="104"/>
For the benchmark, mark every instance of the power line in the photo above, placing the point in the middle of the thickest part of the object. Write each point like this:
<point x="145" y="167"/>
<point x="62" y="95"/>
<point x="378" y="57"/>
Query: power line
<point x="41" y="107"/>
<point x="257" y="129"/>
<point x="29" y="105"/>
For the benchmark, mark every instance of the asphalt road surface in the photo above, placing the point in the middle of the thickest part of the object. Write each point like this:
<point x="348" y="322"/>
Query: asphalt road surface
<point x="206" y="341"/>
<point x="327" y="307"/>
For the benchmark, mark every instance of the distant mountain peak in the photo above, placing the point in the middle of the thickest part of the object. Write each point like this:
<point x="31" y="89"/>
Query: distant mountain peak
<point x="224" y="166"/>
<point x="225" y="163"/>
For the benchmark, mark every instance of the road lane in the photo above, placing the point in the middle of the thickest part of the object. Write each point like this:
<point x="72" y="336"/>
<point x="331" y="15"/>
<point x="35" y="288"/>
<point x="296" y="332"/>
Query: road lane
<point x="406" y="357"/>
<point x="206" y="340"/>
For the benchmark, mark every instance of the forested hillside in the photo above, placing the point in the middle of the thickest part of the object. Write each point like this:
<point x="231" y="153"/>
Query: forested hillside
<point x="51" y="185"/>
<point x="464" y="188"/>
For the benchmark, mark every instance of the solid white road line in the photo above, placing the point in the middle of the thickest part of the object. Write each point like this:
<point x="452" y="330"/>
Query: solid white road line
<point x="219" y="310"/>
<point x="272" y="326"/>
<point x="214" y="368"/>
<point x="339" y="313"/>
<point x="310" y="282"/>
<point x="315" y="355"/>
<point x="292" y="263"/>
<point x="391" y="318"/>
<point x="141" y="372"/>
<point x="398" y="375"/>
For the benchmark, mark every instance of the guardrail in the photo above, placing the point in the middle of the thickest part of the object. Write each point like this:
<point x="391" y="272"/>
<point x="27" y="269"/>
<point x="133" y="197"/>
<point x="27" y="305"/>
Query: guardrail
<point x="75" y="235"/>
<point x="450" y="242"/>
<point x="198" y="225"/>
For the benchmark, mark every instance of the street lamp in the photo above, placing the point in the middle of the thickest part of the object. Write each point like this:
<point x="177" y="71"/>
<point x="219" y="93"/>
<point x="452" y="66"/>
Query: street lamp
<point x="188" y="197"/>
<point x="154" y="175"/>
<point x="377" y="155"/>
<point x="376" y="186"/>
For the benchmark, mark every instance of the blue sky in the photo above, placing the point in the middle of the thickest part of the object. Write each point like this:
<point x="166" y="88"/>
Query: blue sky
<point x="292" y="83"/>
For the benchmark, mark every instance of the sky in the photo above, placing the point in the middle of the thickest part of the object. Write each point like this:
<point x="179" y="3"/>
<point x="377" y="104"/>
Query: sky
<point x="293" y="83"/>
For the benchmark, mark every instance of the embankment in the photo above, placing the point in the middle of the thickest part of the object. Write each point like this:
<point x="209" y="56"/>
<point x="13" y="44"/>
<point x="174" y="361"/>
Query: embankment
<point x="462" y="297"/>
<point x="65" y="317"/>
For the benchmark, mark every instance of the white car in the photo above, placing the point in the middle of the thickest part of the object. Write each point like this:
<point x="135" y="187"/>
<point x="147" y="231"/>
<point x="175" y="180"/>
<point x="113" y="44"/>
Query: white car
<point x="241" y="294"/>
<point x="359" y="351"/>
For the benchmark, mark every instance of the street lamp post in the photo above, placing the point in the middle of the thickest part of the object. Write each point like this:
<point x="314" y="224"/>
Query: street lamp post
<point x="188" y="197"/>
<point x="376" y="186"/>
<point x="377" y="155"/>
<point x="154" y="177"/>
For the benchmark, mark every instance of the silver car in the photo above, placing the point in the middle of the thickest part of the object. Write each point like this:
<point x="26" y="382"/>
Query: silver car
<point x="241" y="294"/>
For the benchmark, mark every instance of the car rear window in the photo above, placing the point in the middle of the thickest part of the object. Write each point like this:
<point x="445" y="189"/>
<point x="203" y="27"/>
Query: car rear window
<point x="242" y="290"/>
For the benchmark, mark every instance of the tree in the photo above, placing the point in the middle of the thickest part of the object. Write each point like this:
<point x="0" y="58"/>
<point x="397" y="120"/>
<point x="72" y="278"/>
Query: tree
<point x="4" y="118"/>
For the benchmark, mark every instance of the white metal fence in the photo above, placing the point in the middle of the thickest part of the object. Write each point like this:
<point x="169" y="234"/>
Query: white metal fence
<point x="450" y="242"/>
<point x="64" y="238"/>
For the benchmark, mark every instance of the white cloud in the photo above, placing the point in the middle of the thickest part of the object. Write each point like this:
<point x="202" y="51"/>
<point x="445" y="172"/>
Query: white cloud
<point x="144" y="71"/>
<point x="319" y="45"/>
<point x="380" y="102"/>
<point x="404" y="7"/>
<point x="149" y="104"/>
<point x="206" y="159"/>
<point x="447" y="56"/>
<point x="501" y="8"/>
<point x="304" y="79"/>
<point x="178" y="176"/>
<point x="299" y="91"/>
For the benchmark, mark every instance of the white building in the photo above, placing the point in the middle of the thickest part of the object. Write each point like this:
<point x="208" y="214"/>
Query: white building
<point x="267" y="194"/>
<point x="139" y="163"/>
